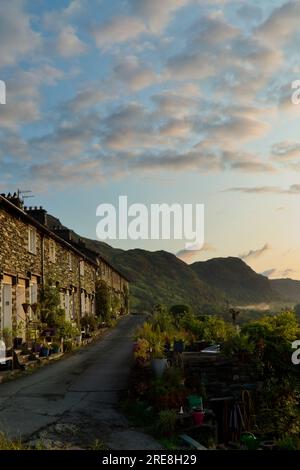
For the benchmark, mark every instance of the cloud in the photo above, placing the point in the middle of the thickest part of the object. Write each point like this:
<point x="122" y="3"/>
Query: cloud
<point x="282" y="23"/>
<point x="294" y="189"/>
<point x="269" y="272"/>
<point x="133" y="73"/>
<point x="118" y="30"/>
<point x="55" y="20"/>
<point x="156" y="13"/>
<point x="24" y="95"/>
<point x="249" y="13"/>
<point x="252" y="254"/>
<point x="68" y="43"/>
<point x="190" y="256"/>
<point x="86" y="98"/>
<point x="274" y="273"/>
<point x="83" y="172"/>
<point x="17" y="38"/>
<point x="178" y="103"/>
<point x="286" y="151"/>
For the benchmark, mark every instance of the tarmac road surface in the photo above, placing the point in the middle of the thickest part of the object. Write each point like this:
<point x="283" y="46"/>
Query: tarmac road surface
<point x="73" y="402"/>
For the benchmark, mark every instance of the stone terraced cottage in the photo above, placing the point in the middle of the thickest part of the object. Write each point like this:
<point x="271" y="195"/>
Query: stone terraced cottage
<point x="35" y="249"/>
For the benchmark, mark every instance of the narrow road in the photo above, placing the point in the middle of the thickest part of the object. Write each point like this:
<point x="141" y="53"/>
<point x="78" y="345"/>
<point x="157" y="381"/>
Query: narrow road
<point x="74" y="401"/>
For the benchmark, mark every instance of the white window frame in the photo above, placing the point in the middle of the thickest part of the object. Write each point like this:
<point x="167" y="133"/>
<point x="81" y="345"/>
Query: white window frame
<point x="32" y="240"/>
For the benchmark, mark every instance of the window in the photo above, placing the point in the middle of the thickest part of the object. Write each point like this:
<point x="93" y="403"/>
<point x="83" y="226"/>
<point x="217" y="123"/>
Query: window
<point x="52" y="251"/>
<point x="81" y="267"/>
<point x="32" y="240"/>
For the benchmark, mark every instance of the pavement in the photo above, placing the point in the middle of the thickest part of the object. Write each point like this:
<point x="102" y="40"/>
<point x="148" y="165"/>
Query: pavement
<point x="74" y="403"/>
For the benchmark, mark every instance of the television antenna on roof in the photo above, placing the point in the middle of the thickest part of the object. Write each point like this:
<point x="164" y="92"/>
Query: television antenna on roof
<point x="24" y="194"/>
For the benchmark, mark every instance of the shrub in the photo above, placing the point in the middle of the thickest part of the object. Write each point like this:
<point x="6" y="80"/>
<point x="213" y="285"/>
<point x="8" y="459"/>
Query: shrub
<point x="103" y="301"/>
<point x="166" y="423"/>
<point x="142" y="350"/>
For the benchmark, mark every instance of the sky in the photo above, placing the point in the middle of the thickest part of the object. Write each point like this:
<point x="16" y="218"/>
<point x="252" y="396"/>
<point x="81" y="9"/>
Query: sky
<point x="173" y="101"/>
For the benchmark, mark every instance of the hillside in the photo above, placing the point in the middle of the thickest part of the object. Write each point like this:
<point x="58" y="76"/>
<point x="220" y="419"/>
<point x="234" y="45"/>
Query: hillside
<point x="158" y="277"/>
<point x="235" y="279"/>
<point x="289" y="289"/>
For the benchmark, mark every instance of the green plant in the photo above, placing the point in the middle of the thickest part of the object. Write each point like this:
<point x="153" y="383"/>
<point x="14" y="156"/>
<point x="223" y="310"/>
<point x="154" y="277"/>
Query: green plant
<point x="7" y="336"/>
<point x="89" y="323"/>
<point x="67" y="329"/>
<point x="238" y="344"/>
<point x="166" y="423"/>
<point x="48" y="306"/>
<point x="98" y="445"/>
<point x="55" y="347"/>
<point x="68" y="345"/>
<point x="157" y="351"/>
<point x="142" y="350"/>
<point x="103" y="301"/>
<point x="7" y="444"/>
<point x="288" y="443"/>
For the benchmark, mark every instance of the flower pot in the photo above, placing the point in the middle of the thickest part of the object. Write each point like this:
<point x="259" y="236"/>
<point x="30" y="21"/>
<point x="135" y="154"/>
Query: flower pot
<point x="198" y="417"/>
<point x="159" y="366"/>
<point x="44" y="352"/>
<point x="36" y="348"/>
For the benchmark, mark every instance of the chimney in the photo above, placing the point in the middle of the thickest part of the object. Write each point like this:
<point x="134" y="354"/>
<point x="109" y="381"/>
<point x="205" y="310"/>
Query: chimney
<point x="14" y="199"/>
<point x="38" y="213"/>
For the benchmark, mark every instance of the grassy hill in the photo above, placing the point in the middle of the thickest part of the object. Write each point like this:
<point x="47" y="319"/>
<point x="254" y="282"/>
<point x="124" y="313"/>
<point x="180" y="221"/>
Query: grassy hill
<point x="160" y="277"/>
<point x="288" y="289"/>
<point x="236" y="280"/>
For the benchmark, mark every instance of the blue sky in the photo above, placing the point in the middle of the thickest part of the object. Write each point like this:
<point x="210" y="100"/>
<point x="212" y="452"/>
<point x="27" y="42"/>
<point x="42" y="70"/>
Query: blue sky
<point x="164" y="101"/>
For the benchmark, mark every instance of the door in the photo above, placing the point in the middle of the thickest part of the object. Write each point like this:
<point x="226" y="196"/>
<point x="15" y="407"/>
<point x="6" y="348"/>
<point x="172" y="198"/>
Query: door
<point x="6" y="306"/>
<point x="21" y="316"/>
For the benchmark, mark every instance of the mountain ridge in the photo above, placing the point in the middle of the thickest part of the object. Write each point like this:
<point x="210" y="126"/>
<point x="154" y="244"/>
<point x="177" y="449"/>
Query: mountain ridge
<point x="207" y="286"/>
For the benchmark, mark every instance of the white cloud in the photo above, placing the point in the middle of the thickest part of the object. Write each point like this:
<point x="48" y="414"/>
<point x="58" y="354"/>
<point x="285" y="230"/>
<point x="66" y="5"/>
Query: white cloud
<point x="157" y="13"/>
<point x="55" y="20"/>
<point x="119" y="29"/>
<point x="24" y="96"/>
<point x="17" y="39"/>
<point x="68" y="43"/>
<point x="133" y="73"/>
<point x="282" y="23"/>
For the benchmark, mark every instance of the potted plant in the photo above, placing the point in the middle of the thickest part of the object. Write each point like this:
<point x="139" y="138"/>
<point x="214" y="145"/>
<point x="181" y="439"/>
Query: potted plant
<point x="55" y="348"/>
<point x="45" y="350"/>
<point x="198" y="416"/>
<point x="159" y="361"/>
<point x="7" y="337"/>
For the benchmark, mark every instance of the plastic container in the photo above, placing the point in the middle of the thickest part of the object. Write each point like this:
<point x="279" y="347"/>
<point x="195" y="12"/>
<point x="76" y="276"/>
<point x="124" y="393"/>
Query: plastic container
<point x="198" y="417"/>
<point x="195" y="401"/>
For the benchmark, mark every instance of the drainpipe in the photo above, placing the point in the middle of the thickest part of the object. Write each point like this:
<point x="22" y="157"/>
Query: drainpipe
<point x="43" y="259"/>
<point x="79" y="283"/>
